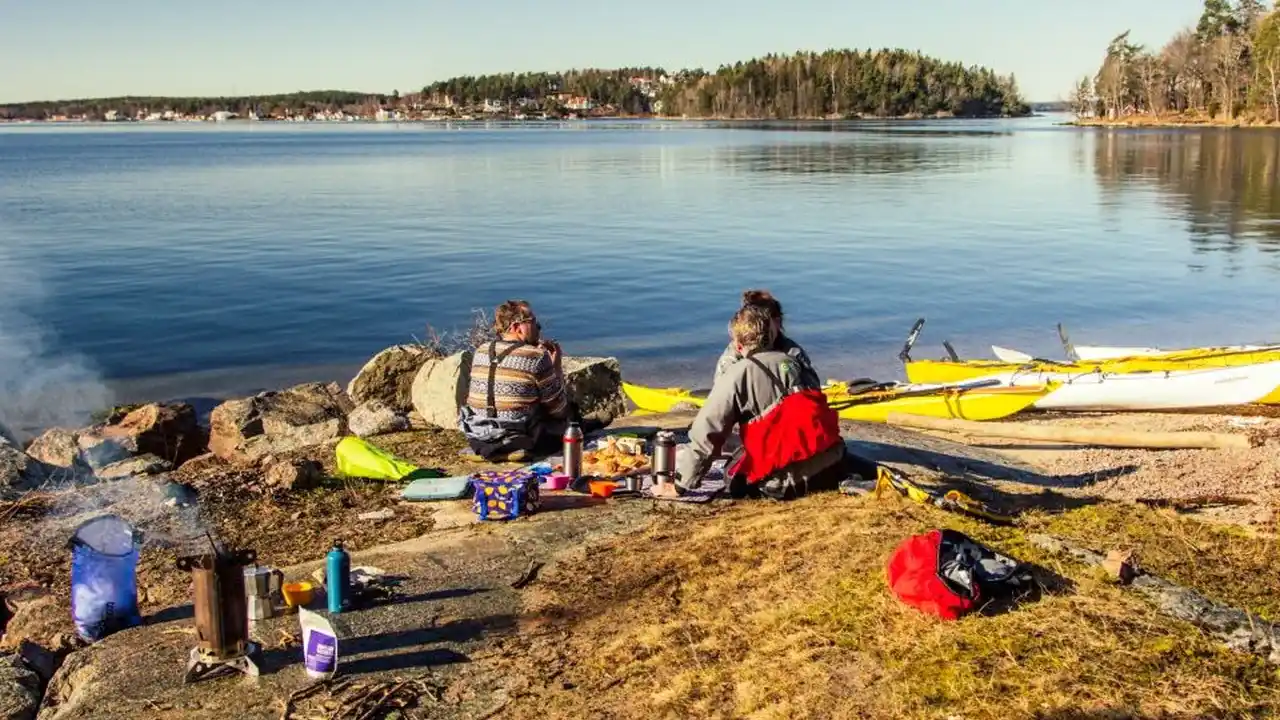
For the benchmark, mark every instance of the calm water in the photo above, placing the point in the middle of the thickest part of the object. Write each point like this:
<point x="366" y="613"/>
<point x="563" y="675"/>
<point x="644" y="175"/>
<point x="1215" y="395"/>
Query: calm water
<point x="219" y="259"/>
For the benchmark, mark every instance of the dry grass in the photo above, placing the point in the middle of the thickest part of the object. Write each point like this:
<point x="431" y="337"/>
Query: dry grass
<point x="1226" y="563"/>
<point x="782" y="611"/>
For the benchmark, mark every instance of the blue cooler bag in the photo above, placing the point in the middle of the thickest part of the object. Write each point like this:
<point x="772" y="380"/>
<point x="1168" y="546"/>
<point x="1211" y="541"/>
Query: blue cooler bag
<point x="504" y="494"/>
<point x="104" y="580"/>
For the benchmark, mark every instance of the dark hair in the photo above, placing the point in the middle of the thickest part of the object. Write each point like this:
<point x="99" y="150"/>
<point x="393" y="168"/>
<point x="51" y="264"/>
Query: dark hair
<point x="764" y="299"/>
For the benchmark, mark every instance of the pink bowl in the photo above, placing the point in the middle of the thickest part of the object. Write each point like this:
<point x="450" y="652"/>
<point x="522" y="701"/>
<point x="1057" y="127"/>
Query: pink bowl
<point x="555" y="482"/>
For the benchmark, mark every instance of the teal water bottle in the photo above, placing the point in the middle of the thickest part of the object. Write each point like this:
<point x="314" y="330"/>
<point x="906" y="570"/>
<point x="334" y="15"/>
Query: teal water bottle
<point x="337" y="574"/>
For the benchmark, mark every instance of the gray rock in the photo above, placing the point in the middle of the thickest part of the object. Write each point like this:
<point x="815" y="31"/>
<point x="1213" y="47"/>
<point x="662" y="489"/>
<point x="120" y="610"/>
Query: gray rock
<point x="595" y="384"/>
<point x="440" y="388"/>
<point x="134" y="466"/>
<point x="98" y="451"/>
<point x="278" y="422"/>
<point x="389" y="375"/>
<point x="20" y="689"/>
<point x="56" y="447"/>
<point x="19" y="472"/>
<point x="376" y="418"/>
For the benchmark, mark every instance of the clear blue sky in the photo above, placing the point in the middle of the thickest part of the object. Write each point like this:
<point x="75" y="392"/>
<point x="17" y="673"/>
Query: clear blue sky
<point x="57" y="49"/>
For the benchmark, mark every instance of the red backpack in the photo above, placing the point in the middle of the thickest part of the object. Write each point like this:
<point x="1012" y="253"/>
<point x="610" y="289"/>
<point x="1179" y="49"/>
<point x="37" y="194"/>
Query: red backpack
<point x="947" y="573"/>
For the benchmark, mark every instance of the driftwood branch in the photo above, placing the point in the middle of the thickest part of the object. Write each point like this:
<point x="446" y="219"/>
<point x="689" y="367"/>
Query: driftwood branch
<point x="1078" y="436"/>
<point x="1238" y="630"/>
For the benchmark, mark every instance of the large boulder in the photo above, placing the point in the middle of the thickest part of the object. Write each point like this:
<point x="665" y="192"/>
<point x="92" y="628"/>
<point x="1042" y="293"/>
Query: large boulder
<point x="388" y="376"/>
<point x="19" y="472"/>
<point x="595" y="384"/>
<point x="169" y="431"/>
<point x="56" y="447"/>
<point x="278" y="422"/>
<point x="441" y="388"/>
<point x="376" y="418"/>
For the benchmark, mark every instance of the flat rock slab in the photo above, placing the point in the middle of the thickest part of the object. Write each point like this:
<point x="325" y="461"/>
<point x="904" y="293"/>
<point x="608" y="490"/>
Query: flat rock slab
<point x="456" y="597"/>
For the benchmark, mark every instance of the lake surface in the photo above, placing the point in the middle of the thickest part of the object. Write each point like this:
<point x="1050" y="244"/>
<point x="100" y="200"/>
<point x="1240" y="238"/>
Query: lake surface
<point x="218" y="259"/>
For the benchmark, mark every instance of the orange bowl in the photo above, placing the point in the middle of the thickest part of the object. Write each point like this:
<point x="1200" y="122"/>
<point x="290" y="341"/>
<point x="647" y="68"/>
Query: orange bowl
<point x="602" y="488"/>
<point x="297" y="593"/>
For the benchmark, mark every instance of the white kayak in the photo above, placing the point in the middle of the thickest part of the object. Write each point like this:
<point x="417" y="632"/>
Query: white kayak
<point x="1105" y="352"/>
<point x="1177" y="390"/>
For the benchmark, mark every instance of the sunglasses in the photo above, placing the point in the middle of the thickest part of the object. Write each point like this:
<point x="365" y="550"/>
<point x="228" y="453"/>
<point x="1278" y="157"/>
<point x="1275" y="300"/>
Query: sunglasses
<point x="522" y="321"/>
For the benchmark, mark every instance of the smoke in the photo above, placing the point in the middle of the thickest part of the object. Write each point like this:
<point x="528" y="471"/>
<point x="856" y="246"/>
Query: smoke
<point x="40" y="385"/>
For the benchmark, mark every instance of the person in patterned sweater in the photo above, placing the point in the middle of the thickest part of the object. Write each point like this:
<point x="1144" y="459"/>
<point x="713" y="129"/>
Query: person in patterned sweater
<point x="517" y="403"/>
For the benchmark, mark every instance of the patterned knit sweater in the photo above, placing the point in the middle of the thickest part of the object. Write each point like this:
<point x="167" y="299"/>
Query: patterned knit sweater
<point x="525" y="385"/>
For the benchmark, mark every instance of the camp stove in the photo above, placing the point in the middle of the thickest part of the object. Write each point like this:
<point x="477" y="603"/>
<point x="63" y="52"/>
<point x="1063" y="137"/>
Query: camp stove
<point x="222" y="620"/>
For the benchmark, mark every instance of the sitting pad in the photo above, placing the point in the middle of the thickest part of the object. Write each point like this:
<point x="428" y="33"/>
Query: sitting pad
<point x="706" y="492"/>
<point x="713" y="483"/>
<point x="446" y="488"/>
<point x="357" y="458"/>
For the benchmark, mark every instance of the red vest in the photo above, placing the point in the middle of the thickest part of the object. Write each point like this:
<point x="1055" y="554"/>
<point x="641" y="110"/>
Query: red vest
<point x="798" y="427"/>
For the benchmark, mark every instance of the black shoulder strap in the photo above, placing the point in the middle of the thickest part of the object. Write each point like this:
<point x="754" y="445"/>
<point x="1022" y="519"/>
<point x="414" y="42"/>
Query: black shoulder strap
<point x="491" y="405"/>
<point x="777" y="381"/>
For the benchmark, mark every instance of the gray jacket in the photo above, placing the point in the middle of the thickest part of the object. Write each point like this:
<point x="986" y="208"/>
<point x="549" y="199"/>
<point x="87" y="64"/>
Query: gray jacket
<point x="742" y="392"/>
<point x="782" y="344"/>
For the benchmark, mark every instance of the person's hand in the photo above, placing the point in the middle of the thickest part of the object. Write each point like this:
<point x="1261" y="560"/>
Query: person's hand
<point x="553" y="348"/>
<point x="665" y="490"/>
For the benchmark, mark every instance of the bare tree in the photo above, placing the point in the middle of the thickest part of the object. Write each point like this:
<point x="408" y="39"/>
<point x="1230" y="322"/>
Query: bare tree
<point x="1150" y="73"/>
<point x="1266" y="56"/>
<point x="1082" y="99"/>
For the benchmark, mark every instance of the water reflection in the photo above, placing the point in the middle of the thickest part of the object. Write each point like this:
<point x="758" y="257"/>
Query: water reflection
<point x="863" y="157"/>
<point x="1223" y="182"/>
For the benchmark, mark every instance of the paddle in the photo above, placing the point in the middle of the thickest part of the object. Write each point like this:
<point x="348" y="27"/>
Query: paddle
<point x="918" y="392"/>
<point x="905" y="355"/>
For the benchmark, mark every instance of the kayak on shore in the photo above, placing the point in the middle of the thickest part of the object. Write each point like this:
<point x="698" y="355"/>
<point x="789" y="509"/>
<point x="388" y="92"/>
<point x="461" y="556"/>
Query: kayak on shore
<point x="978" y="401"/>
<point x="1174" y="390"/>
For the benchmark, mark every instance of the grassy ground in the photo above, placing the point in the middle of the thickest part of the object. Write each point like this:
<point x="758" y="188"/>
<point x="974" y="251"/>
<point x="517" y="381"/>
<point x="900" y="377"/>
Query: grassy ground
<point x="771" y="611"/>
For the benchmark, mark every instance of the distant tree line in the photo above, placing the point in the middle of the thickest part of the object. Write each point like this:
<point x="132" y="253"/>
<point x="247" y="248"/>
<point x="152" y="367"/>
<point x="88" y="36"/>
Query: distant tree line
<point x="845" y="83"/>
<point x="835" y="83"/>
<point x="129" y="106"/>
<point x="1227" y="65"/>
<point x="604" y="87"/>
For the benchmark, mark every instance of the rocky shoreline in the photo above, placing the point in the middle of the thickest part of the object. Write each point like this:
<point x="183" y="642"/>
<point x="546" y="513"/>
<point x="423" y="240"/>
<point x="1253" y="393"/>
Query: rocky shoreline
<point x="260" y="473"/>
<point x="259" y="462"/>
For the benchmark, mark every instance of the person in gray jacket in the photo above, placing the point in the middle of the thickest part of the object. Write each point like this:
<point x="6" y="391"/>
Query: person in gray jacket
<point x="782" y="343"/>
<point x="791" y="440"/>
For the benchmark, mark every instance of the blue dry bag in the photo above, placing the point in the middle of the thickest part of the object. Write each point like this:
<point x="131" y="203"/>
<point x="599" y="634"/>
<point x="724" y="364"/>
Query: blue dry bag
<point x="104" y="579"/>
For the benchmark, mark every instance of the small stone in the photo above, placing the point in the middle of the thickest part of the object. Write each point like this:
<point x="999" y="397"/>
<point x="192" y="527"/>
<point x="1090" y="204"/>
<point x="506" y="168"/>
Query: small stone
<point x="1121" y="565"/>
<point x="294" y="475"/>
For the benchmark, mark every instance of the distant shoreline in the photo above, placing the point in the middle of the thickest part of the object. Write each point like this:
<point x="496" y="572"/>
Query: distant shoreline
<point x="1172" y="121"/>
<point x="526" y="120"/>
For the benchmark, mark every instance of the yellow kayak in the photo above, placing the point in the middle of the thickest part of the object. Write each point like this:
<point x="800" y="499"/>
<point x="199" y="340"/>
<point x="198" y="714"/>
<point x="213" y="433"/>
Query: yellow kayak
<point x="985" y="403"/>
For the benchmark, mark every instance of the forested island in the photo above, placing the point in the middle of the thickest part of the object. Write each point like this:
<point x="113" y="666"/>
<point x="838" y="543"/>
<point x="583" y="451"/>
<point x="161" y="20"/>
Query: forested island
<point x="1224" y="70"/>
<point x="835" y="84"/>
